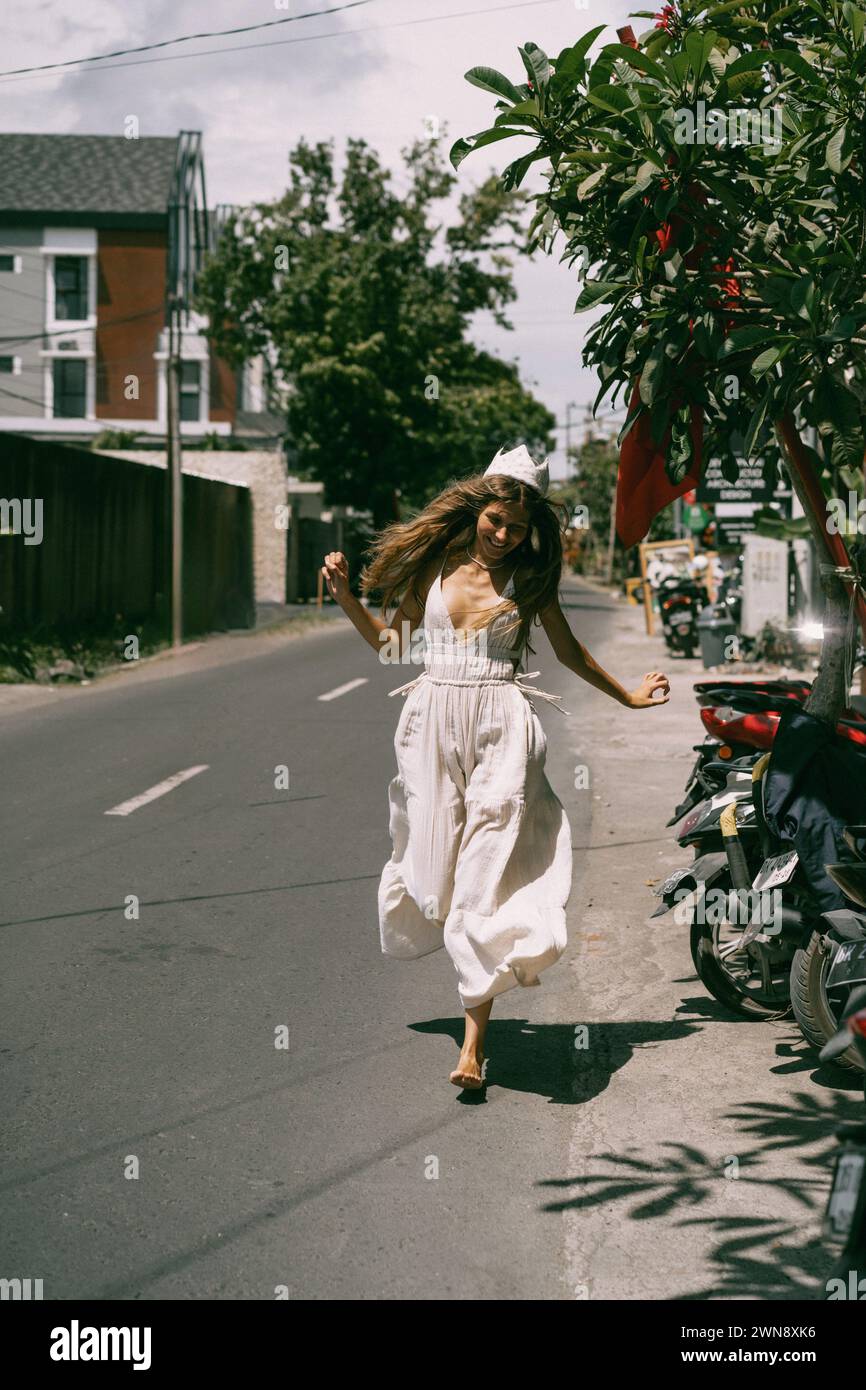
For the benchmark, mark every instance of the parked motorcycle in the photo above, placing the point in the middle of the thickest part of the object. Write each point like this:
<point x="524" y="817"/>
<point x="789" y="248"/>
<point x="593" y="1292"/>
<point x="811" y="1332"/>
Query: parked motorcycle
<point x="845" y="1214"/>
<point x="729" y="597"/>
<point x="770" y="940"/>
<point x="742" y="939"/>
<point x="742" y="716"/>
<point x="680" y="602"/>
<point x="833" y="960"/>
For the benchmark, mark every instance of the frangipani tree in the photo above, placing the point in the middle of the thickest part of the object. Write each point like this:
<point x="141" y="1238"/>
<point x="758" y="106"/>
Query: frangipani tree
<point x="711" y="178"/>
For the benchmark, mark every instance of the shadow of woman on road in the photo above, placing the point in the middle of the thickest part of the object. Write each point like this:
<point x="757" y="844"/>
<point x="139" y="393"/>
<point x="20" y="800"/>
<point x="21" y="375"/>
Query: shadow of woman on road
<point x="568" y="1063"/>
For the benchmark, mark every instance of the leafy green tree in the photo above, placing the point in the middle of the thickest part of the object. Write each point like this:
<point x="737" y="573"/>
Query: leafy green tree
<point x="727" y="249"/>
<point x="593" y="486"/>
<point x="360" y="301"/>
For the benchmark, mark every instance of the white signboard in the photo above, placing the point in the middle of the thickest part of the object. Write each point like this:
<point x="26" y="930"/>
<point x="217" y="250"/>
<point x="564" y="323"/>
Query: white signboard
<point x="765" y="584"/>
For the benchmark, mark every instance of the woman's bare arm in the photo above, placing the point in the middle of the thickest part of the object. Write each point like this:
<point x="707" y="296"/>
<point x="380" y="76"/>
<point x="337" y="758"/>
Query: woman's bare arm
<point x="576" y="658"/>
<point x="374" y="630"/>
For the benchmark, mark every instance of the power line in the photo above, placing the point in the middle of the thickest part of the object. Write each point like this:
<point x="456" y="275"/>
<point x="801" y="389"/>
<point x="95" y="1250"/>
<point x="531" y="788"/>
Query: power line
<point x="31" y="400"/>
<point x="30" y="74"/>
<point x="66" y="332"/>
<point x="186" y="38"/>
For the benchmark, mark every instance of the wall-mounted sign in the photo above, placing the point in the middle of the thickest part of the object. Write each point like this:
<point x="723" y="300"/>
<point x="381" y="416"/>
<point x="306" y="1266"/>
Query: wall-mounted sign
<point x="749" y="486"/>
<point x="730" y="531"/>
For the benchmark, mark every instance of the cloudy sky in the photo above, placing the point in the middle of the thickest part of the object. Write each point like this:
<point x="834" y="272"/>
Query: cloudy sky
<point x="375" y="70"/>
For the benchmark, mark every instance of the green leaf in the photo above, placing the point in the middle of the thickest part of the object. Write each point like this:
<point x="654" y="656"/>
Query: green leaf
<point x="732" y="5"/>
<point x="514" y="174"/>
<point x="795" y="62"/>
<point x="525" y="113"/>
<point x="590" y="183"/>
<point x="698" y="46"/>
<point x="717" y="63"/>
<point x="610" y="98"/>
<point x="802" y="298"/>
<point x="837" y="412"/>
<point x="461" y="148"/>
<point x="642" y="180"/>
<point x="833" y="152"/>
<point x="636" y="59"/>
<point x="840" y="330"/>
<point x="744" y="338"/>
<point x="672" y="265"/>
<point x="570" y="61"/>
<point x="596" y="292"/>
<point x="652" y="374"/>
<point x="705" y="333"/>
<point x="659" y="417"/>
<point x="537" y="64"/>
<point x="765" y="360"/>
<point x="492" y="81"/>
<point x="681" y="448"/>
<point x="855" y="18"/>
<point x="755" y="424"/>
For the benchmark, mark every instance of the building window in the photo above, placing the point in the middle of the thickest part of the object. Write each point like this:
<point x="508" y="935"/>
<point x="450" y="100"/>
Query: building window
<point x="7" y="365"/>
<point x="190" y="390"/>
<point x="10" y="264"/>
<point x="70" y="389"/>
<point x="70" y="287"/>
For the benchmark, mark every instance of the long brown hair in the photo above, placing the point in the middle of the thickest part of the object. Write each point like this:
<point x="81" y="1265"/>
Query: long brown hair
<point x="402" y="549"/>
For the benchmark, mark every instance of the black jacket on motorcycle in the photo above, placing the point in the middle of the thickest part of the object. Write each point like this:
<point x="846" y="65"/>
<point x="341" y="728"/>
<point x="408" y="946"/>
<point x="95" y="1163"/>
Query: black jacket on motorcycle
<point x="814" y="787"/>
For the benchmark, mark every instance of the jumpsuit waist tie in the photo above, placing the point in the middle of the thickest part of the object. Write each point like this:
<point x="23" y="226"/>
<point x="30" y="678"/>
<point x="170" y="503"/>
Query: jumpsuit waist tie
<point x="518" y="680"/>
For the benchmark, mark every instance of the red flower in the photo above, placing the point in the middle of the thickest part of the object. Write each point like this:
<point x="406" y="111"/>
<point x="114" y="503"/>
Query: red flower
<point x="664" y="236"/>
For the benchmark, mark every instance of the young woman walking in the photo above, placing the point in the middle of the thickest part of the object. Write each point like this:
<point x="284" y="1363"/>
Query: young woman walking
<point x="481" y="860"/>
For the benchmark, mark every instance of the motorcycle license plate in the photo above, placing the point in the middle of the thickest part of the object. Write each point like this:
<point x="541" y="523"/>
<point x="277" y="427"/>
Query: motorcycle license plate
<point x="776" y="870"/>
<point x="683" y="628"/>
<point x="845" y="1194"/>
<point x="849" y="964"/>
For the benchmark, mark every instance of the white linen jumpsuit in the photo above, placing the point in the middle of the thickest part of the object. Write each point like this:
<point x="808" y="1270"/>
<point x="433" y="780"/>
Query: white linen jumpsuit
<point x="481" y="860"/>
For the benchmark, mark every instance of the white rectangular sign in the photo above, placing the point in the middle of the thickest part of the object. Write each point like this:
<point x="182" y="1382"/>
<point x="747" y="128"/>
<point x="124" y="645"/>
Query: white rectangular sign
<point x="765" y="584"/>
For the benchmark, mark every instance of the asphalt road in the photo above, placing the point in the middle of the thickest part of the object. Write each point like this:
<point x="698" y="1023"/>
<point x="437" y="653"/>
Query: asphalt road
<point x="158" y="1144"/>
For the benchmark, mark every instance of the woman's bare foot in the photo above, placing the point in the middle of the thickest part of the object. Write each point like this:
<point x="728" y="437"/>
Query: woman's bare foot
<point x="468" y="1071"/>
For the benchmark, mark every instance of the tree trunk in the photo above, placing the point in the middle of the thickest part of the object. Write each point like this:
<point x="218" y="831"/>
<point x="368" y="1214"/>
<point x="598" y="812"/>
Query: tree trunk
<point x="829" y="690"/>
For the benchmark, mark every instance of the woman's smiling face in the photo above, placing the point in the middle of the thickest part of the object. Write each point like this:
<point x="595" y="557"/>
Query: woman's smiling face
<point x="501" y="527"/>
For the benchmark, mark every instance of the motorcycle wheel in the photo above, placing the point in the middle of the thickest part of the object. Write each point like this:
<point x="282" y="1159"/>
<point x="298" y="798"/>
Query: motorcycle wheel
<point x="811" y="1004"/>
<point x="730" y="988"/>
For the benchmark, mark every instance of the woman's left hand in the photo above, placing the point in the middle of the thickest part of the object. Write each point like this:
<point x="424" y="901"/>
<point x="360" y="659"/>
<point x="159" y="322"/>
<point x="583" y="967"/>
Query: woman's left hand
<point x="642" y="697"/>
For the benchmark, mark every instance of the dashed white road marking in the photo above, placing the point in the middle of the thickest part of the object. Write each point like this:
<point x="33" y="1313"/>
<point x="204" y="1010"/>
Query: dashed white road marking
<point x="126" y="808"/>
<point x="344" y="689"/>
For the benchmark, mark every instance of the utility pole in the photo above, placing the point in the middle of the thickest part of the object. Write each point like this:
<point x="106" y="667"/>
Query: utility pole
<point x="568" y="463"/>
<point x="175" y="474"/>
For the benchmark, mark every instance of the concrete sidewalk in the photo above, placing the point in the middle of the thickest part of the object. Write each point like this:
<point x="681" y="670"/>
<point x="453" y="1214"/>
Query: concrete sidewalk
<point x="699" y="1161"/>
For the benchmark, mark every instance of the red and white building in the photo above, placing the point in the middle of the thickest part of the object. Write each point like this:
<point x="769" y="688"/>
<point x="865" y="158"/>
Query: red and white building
<point x="94" y="231"/>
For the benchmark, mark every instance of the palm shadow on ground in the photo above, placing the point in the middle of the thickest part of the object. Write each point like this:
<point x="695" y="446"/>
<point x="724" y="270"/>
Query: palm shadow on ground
<point x="750" y="1256"/>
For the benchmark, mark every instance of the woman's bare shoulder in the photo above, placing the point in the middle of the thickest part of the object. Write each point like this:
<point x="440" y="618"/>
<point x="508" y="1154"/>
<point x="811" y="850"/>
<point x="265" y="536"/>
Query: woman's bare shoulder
<point x="424" y="576"/>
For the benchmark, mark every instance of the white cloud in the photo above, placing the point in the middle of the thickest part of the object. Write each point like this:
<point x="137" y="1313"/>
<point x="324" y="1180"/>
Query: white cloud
<point x="252" y="107"/>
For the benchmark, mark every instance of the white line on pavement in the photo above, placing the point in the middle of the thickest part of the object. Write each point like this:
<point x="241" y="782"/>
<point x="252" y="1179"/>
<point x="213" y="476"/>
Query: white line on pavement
<point x="126" y="807"/>
<point x="344" y="689"/>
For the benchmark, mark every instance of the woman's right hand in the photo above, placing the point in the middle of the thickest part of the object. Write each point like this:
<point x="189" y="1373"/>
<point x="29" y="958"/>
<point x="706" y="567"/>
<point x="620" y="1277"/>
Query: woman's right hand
<point x="336" y="572"/>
